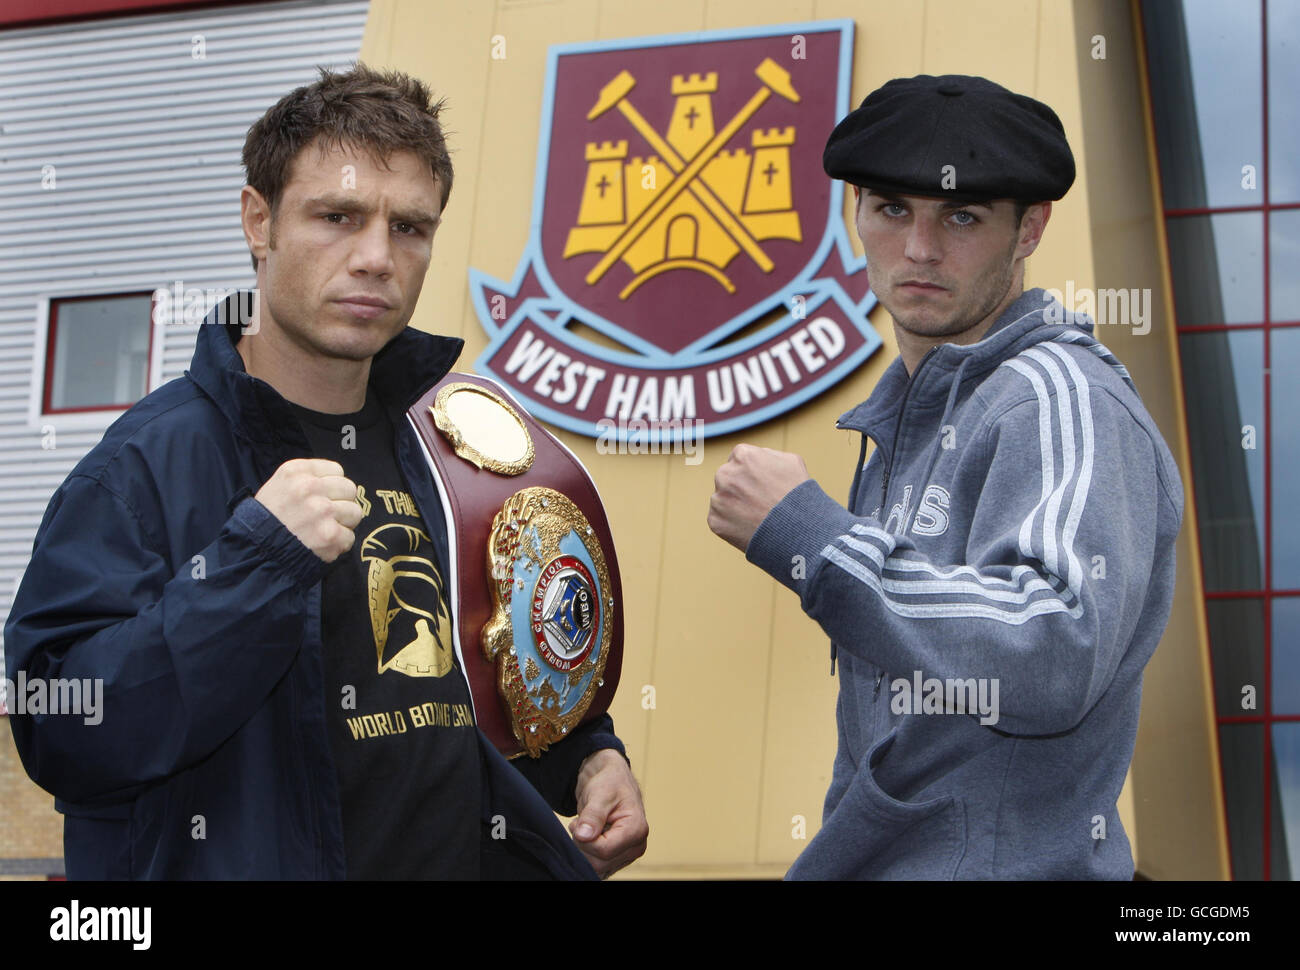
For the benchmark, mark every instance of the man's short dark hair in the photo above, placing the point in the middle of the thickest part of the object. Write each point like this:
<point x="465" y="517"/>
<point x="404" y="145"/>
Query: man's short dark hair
<point x="381" y="112"/>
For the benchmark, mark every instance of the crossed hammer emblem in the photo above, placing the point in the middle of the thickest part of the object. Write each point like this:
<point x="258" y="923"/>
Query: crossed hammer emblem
<point x="774" y="80"/>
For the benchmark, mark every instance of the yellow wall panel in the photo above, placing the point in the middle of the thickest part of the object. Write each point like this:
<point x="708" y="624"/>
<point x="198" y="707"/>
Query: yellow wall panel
<point x="996" y="39"/>
<point x="633" y="18"/>
<point x="711" y="663"/>
<point x="720" y="14"/>
<point x="889" y="41"/>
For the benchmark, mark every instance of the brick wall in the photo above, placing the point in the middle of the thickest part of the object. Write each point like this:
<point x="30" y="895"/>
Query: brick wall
<point x="31" y="831"/>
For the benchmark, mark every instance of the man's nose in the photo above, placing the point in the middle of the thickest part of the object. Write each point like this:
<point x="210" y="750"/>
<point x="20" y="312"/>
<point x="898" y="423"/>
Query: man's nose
<point x="372" y="251"/>
<point x="923" y="243"/>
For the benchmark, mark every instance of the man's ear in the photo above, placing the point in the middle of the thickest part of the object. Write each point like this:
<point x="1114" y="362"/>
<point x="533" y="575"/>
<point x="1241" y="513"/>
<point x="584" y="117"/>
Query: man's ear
<point x="1032" y="227"/>
<point x="255" y="217"/>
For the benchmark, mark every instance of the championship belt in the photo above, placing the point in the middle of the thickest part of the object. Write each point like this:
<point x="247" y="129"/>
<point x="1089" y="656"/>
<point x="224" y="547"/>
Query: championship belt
<point x="537" y="606"/>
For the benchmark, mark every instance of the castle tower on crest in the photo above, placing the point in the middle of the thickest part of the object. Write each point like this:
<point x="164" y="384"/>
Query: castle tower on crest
<point x="602" y="194"/>
<point x="691" y="126"/>
<point x="769" y="173"/>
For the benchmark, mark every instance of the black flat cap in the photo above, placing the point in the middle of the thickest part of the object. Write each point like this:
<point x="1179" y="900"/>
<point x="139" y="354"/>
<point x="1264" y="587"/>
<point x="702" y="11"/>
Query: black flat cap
<point x="1001" y="145"/>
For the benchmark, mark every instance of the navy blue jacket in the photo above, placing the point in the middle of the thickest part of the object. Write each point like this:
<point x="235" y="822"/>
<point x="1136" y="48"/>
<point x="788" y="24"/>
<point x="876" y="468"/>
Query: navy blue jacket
<point x="213" y="699"/>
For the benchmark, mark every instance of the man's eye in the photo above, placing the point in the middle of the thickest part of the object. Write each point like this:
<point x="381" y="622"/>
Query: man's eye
<point x="334" y="218"/>
<point x="405" y="228"/>
<point x="964" y="218"/>
<point x="893" y="209"/>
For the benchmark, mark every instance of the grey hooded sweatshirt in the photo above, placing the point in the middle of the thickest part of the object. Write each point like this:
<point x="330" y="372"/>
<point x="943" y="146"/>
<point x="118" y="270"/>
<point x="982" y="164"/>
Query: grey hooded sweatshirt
<point x="1001" y="577"/>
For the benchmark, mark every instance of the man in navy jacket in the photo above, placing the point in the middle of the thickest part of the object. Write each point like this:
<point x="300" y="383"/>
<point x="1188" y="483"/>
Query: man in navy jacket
<point x="181" y="562"/>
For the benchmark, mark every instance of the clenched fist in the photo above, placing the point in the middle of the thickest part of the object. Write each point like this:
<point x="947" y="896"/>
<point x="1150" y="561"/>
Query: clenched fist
<point x="747" y="487"/>
<point x="316" y="503"/>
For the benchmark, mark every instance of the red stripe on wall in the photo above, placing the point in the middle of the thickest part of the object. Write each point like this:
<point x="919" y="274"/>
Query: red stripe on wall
<point x="29" y="13"/>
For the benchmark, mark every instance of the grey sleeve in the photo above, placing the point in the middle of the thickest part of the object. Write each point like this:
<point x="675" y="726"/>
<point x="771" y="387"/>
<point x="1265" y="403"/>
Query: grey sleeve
<point x="1041" y="591"/>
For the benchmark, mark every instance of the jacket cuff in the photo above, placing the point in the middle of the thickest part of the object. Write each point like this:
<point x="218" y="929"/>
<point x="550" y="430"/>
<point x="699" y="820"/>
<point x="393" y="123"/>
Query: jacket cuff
<point x="598" y="736"/>
<point x="555" y="773"/>
<point x="274" y="538"/>
<point x="788" y="543"/>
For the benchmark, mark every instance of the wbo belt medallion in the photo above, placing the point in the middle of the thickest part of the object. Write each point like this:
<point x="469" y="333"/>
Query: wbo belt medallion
<point x="549" y="633"/>
<point x="538" y="624"/>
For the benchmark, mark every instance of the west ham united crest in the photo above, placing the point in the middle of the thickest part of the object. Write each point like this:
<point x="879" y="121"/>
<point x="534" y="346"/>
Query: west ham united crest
<point x="689" y="272"/>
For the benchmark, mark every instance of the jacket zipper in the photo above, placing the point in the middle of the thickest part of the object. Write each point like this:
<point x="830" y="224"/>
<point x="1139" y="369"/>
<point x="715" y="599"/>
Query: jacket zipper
<point x="902" y="411"/>
<point x="884" y="475"/>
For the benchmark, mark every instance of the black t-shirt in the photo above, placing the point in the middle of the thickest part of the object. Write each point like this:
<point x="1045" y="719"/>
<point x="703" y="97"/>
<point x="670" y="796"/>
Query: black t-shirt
<point x="400" y="719"/>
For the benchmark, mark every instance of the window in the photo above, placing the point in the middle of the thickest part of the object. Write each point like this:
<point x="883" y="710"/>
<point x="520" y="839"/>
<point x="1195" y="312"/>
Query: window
<point x="1223" y="81"/>
<point x="97" y="353"/>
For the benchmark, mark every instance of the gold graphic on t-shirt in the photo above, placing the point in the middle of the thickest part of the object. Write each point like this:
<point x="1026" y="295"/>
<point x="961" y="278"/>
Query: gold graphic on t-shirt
<point x="398" y="502"/>
<point x="397" y="557"/>
<point x="430" y="714"/>
<point x="363" y="501"/>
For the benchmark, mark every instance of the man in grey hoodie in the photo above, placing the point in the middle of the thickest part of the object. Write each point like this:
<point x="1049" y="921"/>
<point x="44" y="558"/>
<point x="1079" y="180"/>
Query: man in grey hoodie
<point x="1005" y="566"/>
